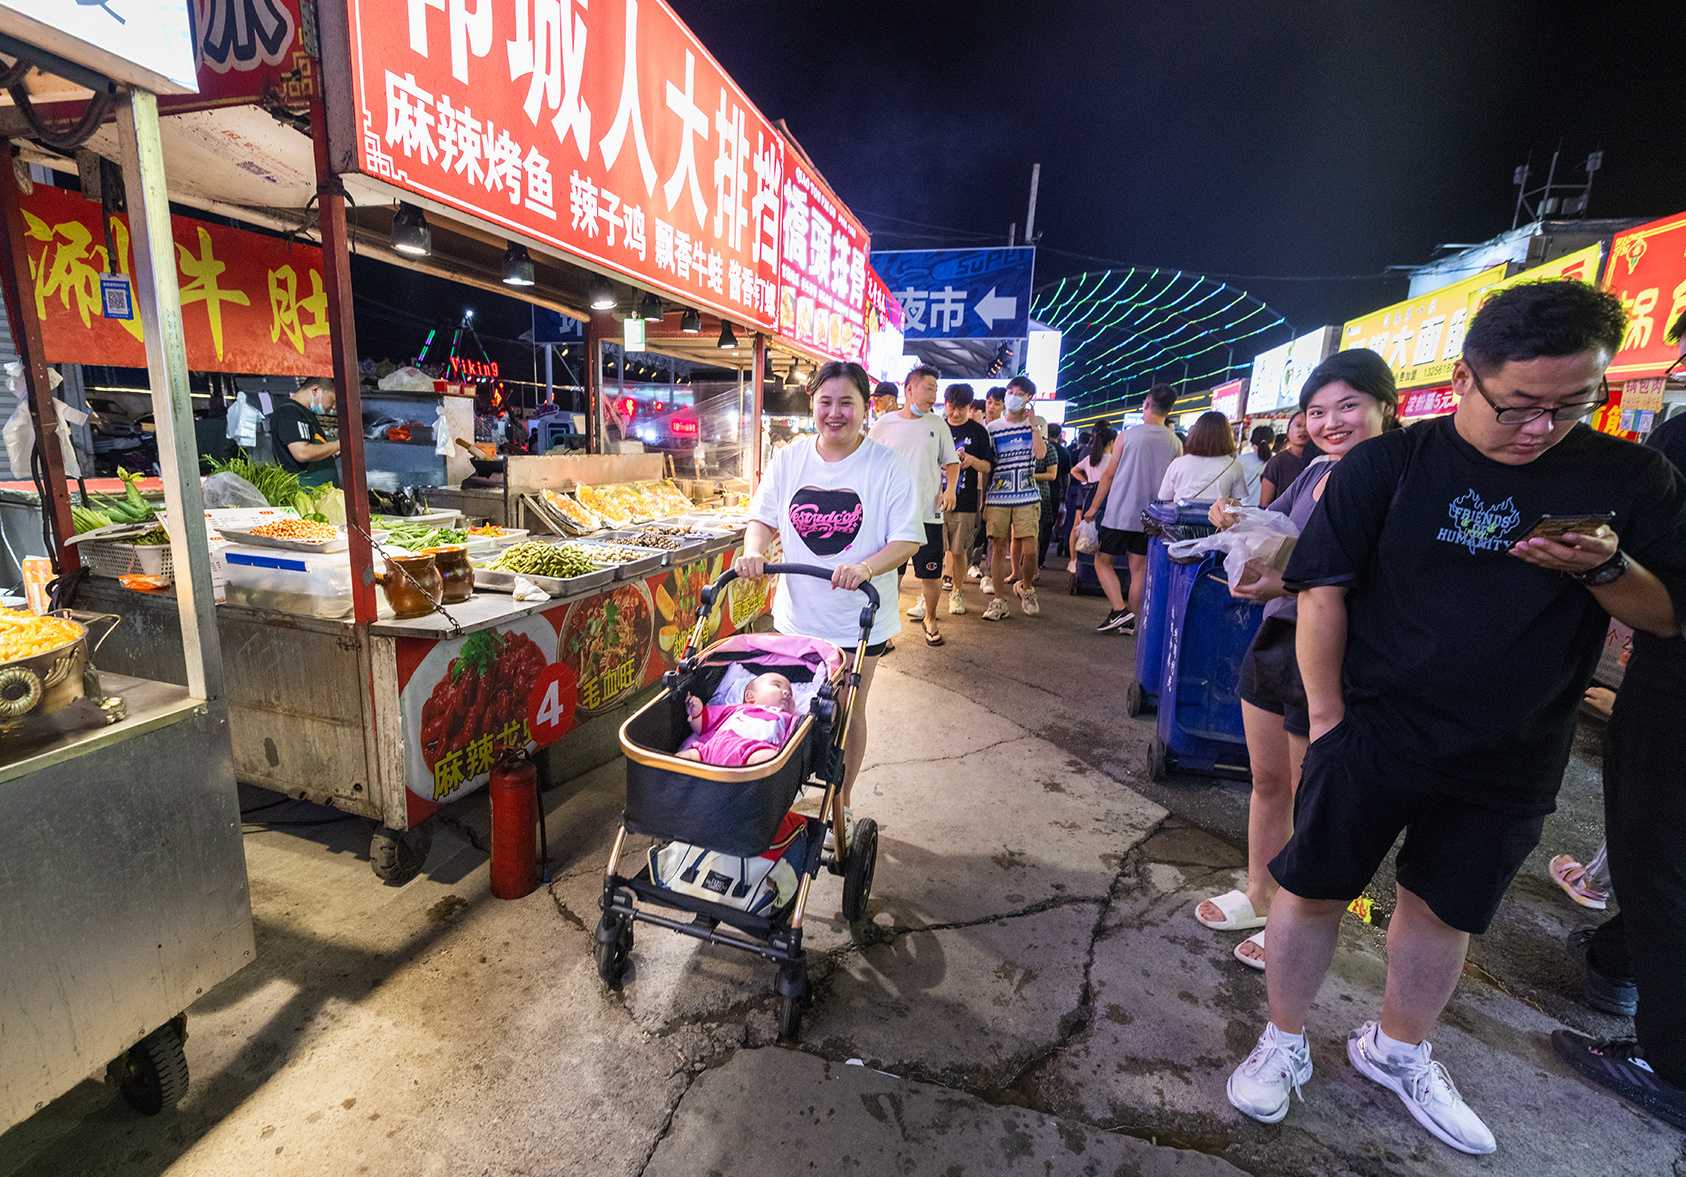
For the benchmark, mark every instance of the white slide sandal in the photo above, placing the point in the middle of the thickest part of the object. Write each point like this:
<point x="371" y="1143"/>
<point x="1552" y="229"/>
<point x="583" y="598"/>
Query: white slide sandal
<point x="1239" y="915"/>
<point x="1256" y="938"/>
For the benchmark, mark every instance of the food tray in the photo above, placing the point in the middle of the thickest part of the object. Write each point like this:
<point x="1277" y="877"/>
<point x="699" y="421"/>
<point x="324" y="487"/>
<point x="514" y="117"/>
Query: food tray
<point x="427" y="518"/>
<point x="338" y="544"/>
<point x="112" y="560"/>
<point x="558" y="523"/>
<point x="632" y="569"/>
<point x="692" y="546"/>
<point x="504" y="582"/>
<point x="510" y="537"/>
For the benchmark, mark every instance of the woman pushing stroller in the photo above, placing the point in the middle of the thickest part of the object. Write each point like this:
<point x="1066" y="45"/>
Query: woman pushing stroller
<point x="845" y="502"/>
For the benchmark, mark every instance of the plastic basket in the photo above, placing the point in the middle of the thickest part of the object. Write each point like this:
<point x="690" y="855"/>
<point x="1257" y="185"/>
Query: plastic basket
<point x="113" y="560"/>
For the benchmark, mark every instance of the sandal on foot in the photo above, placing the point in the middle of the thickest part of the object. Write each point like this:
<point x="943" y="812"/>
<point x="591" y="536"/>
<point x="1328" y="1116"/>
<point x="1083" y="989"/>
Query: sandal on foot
<point x="1258" y="939"/>
<point x="932" y="637"/>
<point x="1239" y="915"/>
<point x="1571" y="876"/>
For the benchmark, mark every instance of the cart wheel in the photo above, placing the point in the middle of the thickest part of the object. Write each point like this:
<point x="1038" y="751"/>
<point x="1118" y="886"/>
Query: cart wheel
<point x="397" y="855"/>
<point x="152" y="1076"/>
<point x="858" y="868"/>
<point x="1156" y="759"/>
<point x="792" y="985"/>
<point x="1133" y="698"/>
<point x="614" y="944"/>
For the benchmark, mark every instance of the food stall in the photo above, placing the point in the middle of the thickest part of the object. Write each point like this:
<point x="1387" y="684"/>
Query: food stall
<point x="123" y="888"/>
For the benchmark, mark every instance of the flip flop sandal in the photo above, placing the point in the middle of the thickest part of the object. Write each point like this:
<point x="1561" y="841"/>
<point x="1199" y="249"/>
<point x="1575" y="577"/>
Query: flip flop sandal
<point x="932" y="637"/>
<point x="1571" y="876"/>
<point x="1238" y="913"/>
<point x="1255" y="938"/>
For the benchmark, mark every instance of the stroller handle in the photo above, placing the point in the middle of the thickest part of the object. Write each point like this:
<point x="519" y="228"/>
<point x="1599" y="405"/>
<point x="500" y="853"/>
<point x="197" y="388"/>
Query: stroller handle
<point x="710" y="594"/>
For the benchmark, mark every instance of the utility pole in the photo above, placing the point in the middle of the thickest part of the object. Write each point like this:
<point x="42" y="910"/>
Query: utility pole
<point x="1030" y="218"/>
<point x="1012" y="234"/>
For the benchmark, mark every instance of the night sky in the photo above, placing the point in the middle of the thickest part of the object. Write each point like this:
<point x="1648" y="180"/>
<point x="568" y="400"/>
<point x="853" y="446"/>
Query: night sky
<point x="1288" y="140"/>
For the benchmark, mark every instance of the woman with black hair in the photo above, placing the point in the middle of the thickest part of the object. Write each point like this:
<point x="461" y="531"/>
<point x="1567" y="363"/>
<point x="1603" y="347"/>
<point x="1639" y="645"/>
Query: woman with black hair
<point x="1253" y="460"/>
<point x="1349" y="398"/>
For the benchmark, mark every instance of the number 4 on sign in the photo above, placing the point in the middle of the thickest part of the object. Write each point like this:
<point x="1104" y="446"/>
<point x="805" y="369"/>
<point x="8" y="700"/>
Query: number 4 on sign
<point x="552" y="703"/>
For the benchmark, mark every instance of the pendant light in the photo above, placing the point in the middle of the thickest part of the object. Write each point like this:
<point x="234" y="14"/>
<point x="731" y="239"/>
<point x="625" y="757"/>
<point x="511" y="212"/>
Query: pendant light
<point x="518" y="266"/>
<point x="410" y="232"/>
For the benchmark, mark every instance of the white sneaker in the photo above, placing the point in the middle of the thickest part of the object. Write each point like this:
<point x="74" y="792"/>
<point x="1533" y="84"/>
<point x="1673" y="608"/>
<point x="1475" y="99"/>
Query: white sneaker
<point x="972" y="572"/>
<point x="918" y="610"/>
<point x="848" y="831"/>
<point x="988" y="586"/>
<point x="956" y="603"/>
<point x="1028" y="602"/>
<point x="997" y="610"/>
<point x="1424" y="1087"/>
<point x="1279" y="1065"/>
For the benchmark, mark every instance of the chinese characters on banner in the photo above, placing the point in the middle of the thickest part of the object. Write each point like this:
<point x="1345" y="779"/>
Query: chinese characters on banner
<point x="1647" y="271"/>
<point x="1428" y="402"/>
<point x="884" y="319"/>
<point x="1228" y="398"/>
<point x="605" y="130"/>
<point x="250" y="303"/>
<point x="1582" y="266"/>
<point x="1421" y="338"/>
<point x="822" y="287"/>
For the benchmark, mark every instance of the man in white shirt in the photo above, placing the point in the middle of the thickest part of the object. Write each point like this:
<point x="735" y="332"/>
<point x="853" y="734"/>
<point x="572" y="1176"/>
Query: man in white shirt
<point x="922" y="439"/>
<point x="1140" y="457"/>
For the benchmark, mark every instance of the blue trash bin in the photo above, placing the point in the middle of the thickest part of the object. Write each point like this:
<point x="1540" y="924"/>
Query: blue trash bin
<point x="1207" y="633"/>
<point x="1188" y="521"/>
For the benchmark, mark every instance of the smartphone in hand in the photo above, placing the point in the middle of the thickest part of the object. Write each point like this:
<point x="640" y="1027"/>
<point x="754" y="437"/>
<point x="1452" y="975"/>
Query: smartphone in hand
<point x="1557" y="526"/>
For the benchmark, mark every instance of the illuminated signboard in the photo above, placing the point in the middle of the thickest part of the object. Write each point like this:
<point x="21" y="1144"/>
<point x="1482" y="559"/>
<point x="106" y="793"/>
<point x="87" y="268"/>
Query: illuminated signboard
<point x="1228" y="398"/>
<point x="1421" y="338"/>
<point x="1647" y="271"/>
<point x="822" y="280"/>
<point x="465" y="368"/>
<point x="605" y="131"/>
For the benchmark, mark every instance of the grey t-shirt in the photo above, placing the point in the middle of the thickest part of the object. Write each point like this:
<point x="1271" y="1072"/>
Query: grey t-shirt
<point x="1143" y="453"/>
<point x="1297" y="503"/>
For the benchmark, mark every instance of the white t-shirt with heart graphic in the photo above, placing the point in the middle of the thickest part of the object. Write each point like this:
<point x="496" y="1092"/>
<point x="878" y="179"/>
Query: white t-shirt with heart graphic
<point x="830" y="514"/>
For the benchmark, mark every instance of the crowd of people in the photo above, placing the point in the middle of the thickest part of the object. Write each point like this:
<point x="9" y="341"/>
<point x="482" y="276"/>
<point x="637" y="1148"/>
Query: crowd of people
<point x="1418" y="670"/>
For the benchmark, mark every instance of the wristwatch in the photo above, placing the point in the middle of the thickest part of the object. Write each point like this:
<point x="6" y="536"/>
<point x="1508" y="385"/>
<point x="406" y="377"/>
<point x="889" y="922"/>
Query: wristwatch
<point x="1608" y="572"/>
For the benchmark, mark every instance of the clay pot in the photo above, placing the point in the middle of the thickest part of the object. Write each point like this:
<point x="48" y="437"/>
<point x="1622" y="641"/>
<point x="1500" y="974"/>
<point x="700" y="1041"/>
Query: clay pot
<point x="454" y="568"/>
<point x="413" y="584"/>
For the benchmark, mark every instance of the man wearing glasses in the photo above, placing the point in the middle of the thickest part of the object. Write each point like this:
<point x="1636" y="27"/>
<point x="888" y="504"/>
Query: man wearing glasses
<point x="1455" y="584"/>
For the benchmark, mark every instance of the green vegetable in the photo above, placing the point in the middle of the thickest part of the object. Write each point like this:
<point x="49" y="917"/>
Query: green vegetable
<point x="156" y="536"/>
<point x="479" y="651"/>
<point x="534" y="558"/>
<point x="279" y="488"/>
<point x="87" y="519"/>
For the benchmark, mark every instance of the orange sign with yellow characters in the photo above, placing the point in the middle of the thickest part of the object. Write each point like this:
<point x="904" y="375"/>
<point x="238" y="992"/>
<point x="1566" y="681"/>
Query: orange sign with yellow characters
<point x="250" y="303"/>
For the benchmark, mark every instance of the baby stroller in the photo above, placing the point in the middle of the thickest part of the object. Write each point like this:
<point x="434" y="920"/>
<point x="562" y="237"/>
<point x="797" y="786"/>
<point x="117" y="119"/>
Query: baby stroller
<point x="739" y="811"/>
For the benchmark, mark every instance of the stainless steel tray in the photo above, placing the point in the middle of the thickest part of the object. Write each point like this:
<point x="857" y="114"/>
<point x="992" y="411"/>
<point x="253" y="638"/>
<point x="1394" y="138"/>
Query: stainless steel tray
<point x="496" y="581"/>
<point x="632" y="569"/>
<point x="691" y="546"/>
<point x="288" y="545"/>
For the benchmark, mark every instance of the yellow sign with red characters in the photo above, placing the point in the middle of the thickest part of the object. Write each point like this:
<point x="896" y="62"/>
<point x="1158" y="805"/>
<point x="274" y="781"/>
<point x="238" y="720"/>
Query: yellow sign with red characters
<point x="1421" y="338"/>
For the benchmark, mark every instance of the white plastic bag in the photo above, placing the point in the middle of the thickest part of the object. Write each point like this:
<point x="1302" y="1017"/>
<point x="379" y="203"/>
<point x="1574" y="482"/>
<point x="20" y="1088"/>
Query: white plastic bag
<point x="406" y="379"/>
<point x="19" y="430"/>
<point x="230" y="490"/>
<point x="1086" y="537"/>
<point x="1258" y="534"/>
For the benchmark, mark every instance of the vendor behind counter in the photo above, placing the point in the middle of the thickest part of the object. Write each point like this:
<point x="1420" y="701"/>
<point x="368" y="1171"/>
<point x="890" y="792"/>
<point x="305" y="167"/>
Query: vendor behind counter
<point x="300" y="445"/>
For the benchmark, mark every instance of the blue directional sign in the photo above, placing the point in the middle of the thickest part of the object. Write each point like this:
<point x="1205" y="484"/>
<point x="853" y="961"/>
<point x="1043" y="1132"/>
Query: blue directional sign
<point x="961" y="293"/>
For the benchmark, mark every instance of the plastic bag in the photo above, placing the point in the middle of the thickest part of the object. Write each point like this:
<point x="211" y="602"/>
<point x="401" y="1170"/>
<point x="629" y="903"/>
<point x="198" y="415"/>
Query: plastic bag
<point x="1258" y="534"/>
<point x="1086" y="537"/>
<point x="406" y="380"/>
<point x="231" y="490"/>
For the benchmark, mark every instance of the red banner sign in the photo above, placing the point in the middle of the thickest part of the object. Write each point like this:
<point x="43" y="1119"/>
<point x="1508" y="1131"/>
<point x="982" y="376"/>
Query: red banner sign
<point x="604" y="130"/>
<point x="822" y="279"/>
<point x="1227" y="398"/>
<point x="1428" y="402"/>
<point x="250" y="303"/>
<point x="1647" y="271"/>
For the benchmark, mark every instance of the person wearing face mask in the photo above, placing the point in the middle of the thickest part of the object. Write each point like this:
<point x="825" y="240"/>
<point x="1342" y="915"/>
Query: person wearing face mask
<point x="921" y="438"/>
<point x="1350" y="397"/>
<point x="1013" y="503"/>
<point x="300" y="445"/>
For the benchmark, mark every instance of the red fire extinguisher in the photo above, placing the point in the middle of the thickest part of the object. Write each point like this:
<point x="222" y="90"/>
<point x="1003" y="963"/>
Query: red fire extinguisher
<point x="514" y="789"/>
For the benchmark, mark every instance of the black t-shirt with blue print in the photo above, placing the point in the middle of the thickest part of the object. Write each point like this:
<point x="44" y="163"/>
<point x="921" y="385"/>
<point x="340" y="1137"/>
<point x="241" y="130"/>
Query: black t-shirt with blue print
<point x="1458" y="653"/>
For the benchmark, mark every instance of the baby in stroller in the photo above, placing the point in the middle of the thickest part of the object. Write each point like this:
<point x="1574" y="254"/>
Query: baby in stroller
<point x="742" y="733"/>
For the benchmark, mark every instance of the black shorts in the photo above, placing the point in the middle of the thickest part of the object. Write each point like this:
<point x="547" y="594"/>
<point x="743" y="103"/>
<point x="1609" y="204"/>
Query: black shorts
<point x="877" y="649"/>
<point x="1270" y="676"/>
<point x="928" y="560"/>
<point x="1355" y="798"/>
<point x="1115" y="542"/>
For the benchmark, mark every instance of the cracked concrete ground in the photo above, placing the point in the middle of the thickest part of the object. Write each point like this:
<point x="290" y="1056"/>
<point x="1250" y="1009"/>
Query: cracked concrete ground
<point x="1029" y="990"/>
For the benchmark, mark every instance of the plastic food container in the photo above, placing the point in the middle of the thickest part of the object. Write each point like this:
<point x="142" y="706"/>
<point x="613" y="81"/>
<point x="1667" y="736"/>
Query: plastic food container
<point x="306" y="583"/>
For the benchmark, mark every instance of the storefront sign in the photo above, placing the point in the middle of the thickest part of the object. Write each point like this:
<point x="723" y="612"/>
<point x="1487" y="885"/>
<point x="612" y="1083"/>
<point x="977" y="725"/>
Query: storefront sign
<point x="250" y="303"/>
<point x="961" y="293"/>
<point x="1647" y="271"/>
<point x="1421" y="338"/>
<point x="822" y="280"/>
<point x="1229" y="399"/>
<point x="1428" y="402"/>
<point x="145" y="43"/>
<point x="1582" y="265"/>
<point x="1644" y="396"/>
<point x="604" y="130"/>
<point x="1267" y="388"/>
<point x="885" y="340"/>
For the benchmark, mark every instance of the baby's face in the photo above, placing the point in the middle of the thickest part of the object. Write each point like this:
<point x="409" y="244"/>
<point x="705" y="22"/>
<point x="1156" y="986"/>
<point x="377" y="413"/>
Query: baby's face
<point x="770" y="690"/>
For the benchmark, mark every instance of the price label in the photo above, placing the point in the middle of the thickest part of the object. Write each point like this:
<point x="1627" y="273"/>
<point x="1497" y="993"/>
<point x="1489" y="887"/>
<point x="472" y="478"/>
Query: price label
<point x="552" y="704"/>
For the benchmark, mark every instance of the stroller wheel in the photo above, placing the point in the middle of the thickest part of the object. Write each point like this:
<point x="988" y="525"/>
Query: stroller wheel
<point x="792" y="985"/>
<point x="1133" y="698"/>
<point x="858" y="868"/>
<point x="614" y="944"/>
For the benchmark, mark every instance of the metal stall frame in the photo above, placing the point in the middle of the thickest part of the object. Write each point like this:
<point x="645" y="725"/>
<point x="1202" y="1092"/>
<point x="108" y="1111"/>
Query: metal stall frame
<point x="122" y="874"/>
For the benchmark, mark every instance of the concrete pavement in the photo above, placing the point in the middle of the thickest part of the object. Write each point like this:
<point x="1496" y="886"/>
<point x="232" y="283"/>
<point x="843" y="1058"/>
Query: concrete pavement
<point x="1030" y="991"/>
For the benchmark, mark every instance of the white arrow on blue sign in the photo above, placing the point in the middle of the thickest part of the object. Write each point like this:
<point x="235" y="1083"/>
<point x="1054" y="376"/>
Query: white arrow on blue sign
<point x="961" y="293"/>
